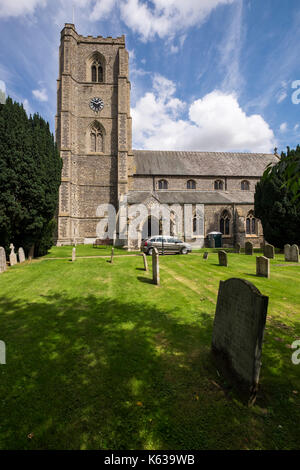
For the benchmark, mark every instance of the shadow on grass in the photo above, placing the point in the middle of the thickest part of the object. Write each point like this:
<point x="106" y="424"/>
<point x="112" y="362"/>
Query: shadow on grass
<point x="146" y="280"/>
<point x="101" y="373"/>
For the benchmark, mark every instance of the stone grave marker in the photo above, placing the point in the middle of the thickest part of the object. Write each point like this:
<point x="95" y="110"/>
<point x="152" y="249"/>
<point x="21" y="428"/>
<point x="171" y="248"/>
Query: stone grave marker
<point x="294" y="253"/>
<point x="263" y="266"/>
<point x="112" y="256"/>
<point x="205" y="255"/>
<point x="248" y="248"/>
<point x="155" y="267"/>
<point x="3" y="265"/>
<point x="21" y="255"/>
<point x="74" y="254"/>
<point x="145" y="261"/>
<point x="287" y="252"/>
<point x="222" y="258"/>
<point x="238" y="248"/>
<point x="12" y="257"/>
<point x="238" y="331"/>
<point x="269" y="251"/>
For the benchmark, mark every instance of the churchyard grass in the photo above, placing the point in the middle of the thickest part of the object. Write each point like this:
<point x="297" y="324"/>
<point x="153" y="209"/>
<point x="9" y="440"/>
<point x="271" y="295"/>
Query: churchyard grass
<point x="100" y="358"/>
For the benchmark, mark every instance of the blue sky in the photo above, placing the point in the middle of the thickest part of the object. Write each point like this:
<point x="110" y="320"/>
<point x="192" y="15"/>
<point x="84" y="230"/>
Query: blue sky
<point x="206" y="74"/>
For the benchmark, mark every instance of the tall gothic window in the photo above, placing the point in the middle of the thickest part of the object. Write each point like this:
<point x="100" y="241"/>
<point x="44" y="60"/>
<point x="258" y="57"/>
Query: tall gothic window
<point x="97" y="71"/>
<point x="163" y="184"/>
<point x="219" y="184"/>
<point x="96" y="138"/>
<point x="191" y="184"/>
<point x="225" y="223"/>
<point x="245" y="185"/>
<point x="251" y="224"/>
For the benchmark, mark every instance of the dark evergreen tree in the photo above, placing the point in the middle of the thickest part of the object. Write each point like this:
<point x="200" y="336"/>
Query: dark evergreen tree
<point x="30" y="169"/>
<point x="276" y="202"/>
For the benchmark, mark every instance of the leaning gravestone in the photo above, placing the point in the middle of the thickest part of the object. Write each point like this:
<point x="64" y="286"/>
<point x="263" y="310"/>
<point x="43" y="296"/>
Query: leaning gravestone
<point x="155" y="267"/>
<point x="294" y="253"/>
<point x="112" y="256"/>
<point x="21" y="255"/>
<point x="287" y="252"/>
<point x="262" y="266"/>
<point x="12" y="257"/>
<point x="145" y="261"/>
<point x="238" y="332"/>
<point x="3" y="265"/>
<point x="269" y="251"/>
<point x="222" y="258"/>
<point x="74" y="254"/>
<point x="248" y="248"/>
<point x="238" y="248"/>
<point x="205" y="255"/>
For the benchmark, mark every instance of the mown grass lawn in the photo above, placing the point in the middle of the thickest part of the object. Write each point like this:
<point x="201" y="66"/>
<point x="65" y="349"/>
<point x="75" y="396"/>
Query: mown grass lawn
<point x="100" y="358"/>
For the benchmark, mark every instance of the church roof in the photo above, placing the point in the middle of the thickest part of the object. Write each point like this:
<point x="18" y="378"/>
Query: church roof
<point x="192" y="197"/>
<point x="157" y="162"/>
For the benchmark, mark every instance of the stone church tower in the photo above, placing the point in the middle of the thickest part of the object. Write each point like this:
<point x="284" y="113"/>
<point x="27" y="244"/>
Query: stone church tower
<point x="93" y="130"/>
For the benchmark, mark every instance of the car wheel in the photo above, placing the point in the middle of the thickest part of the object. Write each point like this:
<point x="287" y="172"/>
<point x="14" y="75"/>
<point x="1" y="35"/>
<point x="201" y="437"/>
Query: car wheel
<point x="150" y="251"/>
<point x="184" y="251"/>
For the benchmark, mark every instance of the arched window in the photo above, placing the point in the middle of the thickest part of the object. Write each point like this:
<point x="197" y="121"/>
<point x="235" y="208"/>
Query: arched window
<point x="191" y="184"/>
<point x="245" y="185"/>
<point x="163" y="184"/>
<point x="97" y="71"/>
<point x="96" y="138"/>
<point x="219" y="184"/>
<point x="251" y="224"/>
<point x="225" y="223"/>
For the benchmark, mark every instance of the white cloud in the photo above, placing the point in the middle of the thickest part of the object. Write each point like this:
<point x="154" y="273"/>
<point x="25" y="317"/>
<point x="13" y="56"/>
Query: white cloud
<point x="19" y="7"/>
<point x="40" y="95"/>
<point x="283" y="127"/>
<point x="27" y="107"/>
<point x="2" y="86"/>
<point x="215" y="122"/>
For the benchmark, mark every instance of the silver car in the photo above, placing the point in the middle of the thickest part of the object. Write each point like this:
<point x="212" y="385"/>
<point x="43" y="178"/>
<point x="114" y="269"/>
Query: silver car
<point x="165" y="245"/>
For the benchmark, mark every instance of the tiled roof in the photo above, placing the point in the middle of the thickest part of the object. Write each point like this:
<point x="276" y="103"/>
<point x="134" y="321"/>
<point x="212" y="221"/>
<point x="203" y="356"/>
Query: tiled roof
<point x="192" y="197"/>
<point x="156" y="162"/>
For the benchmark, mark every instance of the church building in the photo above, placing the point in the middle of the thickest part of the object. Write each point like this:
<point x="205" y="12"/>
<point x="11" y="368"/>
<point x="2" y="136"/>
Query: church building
<point x="94" y="136"/>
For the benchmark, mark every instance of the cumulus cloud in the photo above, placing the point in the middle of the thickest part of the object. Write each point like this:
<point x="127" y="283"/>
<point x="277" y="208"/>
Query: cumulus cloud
<point x="40" y="95"/>
<point x="215" y="122"/>
<point x="283" y="127"/>
<point x="19" y="7"/>
<point x="2" y="86"/>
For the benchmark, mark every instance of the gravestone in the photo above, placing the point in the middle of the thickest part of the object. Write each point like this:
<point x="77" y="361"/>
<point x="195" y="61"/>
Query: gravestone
<point x="12" y="257"/>
<point x="238" y="248"/>
<point x="269" y="251"/>
<point x="74" y="254"/>
<point x="248" y="248"/>
<point x="145" y="261"/>
<point x="262" y="266"/>
<point x="3" y="265"/>
<point x="155" y="267"/>
<point x="238" y="331"/>
<point x="21" y="255"/>
<point x="287" y="252"/>
<point x="222" y="258"/>
<point x="294" y="253"/>
<point x="205" y="255"/>
<point x="112" y="256"/>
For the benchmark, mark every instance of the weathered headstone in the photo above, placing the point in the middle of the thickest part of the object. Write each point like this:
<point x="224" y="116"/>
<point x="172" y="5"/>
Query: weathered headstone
<point x="155" y="267"/>
<point x="238" y="332"/>
<point x="287" y="252"/>
<point x="222" y="258"/>
<point x="294" y="253"/>
<point x="269" y="251"/>
<point x="145" y="261"/>
<point x="21" y="255"/>
<point x="248" y="248"/>
<point x="3" y="265"/>
<point x="112" y="256"/>
<point x="205" y="255"/>
<point x="238" y="248"/>
<point x="74" y="254"/>
<point x="12" y="257"/>
<point x="262" y="266"/>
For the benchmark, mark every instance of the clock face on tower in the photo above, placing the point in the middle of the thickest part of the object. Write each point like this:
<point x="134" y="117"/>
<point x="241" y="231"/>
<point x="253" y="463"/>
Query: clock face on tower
<point x="96" y="104"/>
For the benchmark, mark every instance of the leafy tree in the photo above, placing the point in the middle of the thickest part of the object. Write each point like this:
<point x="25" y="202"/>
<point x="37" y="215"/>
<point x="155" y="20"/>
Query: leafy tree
<point x="30" y="169"/>
<point x="276" y="200"/>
